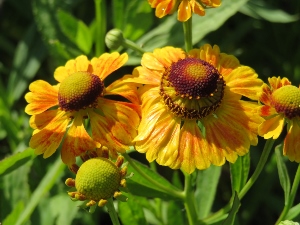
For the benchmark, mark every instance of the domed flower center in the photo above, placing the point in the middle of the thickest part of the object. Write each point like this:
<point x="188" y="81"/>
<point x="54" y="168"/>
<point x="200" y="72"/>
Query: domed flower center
<point x="79" y="91"/>
<point x="97" y="179"/>
<point x="192" y="88"/>
<point x="286" y="100"/>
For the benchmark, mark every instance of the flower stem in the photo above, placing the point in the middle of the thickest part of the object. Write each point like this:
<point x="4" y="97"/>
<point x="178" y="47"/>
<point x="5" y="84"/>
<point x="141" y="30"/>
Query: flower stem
<point x="176" y="194"/>
<point x="187" y="30"/>
<point x="291" y="198"/>
<point x="130" y="44"/>
<point x="262" y="161"/>
<point x="189" y="201"/>
<point x="112" y="212"/>
<point x="100" y="8"/>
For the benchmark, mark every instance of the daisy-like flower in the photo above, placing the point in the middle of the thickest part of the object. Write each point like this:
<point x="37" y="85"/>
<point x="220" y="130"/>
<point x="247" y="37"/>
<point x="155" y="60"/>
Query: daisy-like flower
<point x="185" y="7"/>
<point x="192" y="112"/>
<point x="60" y="111"/>
<point x="281" y="106"/>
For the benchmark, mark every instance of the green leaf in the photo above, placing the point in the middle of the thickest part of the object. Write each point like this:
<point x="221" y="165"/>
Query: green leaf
<point x="45" y="185"/>
<point x="175" y="214"/>
<point x="138" y="184"/>
<point x="206" y="187"/>
<point x="235" y="207"/>
<point x="131" y="212"/>
<point x="13" y="216"/>
<point x="75" y="30"/>
<point x="239" y="172"/>
<point x="293" y="212"/>
<point x="13" y="162"/>
<point x="261" y="10"/>
<point x="283" y="173"/>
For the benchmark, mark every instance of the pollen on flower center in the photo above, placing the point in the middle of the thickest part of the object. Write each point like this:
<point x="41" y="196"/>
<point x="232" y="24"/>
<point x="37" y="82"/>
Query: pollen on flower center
<point x="79" y="90"/>
<point x="287" y="100"/>
<point x="192" y="88"/>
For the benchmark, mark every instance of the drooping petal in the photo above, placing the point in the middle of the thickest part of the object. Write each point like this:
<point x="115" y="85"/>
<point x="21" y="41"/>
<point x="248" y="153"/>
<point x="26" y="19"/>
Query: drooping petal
<point x="39" y="121"/>
<point x="164" y="8"/>
<point x="184" y="11"/>
<point x="197" y="8"/>
<point x="81" y="63"/>
<point x="47" y="140"/>
<point x="193" y="150"/>
<point x="291" y="146"/>
<point x="42" y="97"/>
<point x="272" y="127"/>
<point x="108" y="63"/>
<point x="77" y="142"/>
<point x="243" y="80"/>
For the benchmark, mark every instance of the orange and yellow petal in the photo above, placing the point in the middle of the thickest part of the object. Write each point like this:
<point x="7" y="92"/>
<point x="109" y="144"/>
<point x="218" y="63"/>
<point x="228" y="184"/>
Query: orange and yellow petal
<point x="77" y="142"/>
<point x="184" y="11"/>
<point x="291" y="146"/>
<point x="244" y="81"/>
<point x="41" y="120"/>
<point x="42" y="97"/>
<point x="265" y="94"/>
<point x="81" y="63"/>
<point x="272" y="127"/>
<point x="115" y="125"/>
<point x="163" y="7"/>
<point x="197" y="8"/>
<point x="277" y="82"/>
<point x="193" y="150"/>
<point x="47" y="140"/>
<point x="125" y="89"/>
<point x="108" y="63"/>
<point x="267" y="110"/>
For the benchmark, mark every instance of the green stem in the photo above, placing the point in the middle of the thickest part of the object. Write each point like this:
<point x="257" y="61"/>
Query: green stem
<point x="189" y="201"/>
<point x="100" y="12"/>
<point x="187" y="30"/>
<point x="176" y="194"/>
<point x="262" y="161"/>
<point x="291" y="199"/>
<point x="130" y="44"/>
<point x="112" y="212"/>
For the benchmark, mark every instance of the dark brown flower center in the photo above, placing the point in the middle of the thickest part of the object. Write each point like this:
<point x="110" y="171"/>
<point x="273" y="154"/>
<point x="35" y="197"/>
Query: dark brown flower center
<point x="192" y="88"/>
<point x="79" y="91"/>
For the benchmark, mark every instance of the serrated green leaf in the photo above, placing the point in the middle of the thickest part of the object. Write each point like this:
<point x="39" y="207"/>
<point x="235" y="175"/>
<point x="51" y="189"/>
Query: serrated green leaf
<point x="131" y="212"/>
<point x="206" y="187"/>
<point x="234" y="209"/>
<point x="75" y="30"/>
<point x="13" y="162"/>
<point x="239" y="172"/>
<point x="283" y="173"/>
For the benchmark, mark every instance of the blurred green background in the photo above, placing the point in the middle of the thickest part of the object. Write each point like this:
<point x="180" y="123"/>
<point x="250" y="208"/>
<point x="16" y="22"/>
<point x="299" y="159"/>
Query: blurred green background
<point x="36" y="36"/>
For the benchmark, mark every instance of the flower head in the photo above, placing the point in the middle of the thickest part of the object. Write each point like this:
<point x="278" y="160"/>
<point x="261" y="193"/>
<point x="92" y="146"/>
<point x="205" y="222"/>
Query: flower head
<point x="281" y="105"/>
<point x="192" y="112"/>
<point x="97" y="180"/>
<point x="62" y="110"/>
<point x="185" y="7"/>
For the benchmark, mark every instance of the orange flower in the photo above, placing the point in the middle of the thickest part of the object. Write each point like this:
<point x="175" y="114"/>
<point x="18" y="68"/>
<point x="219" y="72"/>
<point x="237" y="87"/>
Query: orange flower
<point x="282" y="105"/>
<point x="62" y="110"/>
<point x="185" y="7"/>
<point x="192" y="112"/>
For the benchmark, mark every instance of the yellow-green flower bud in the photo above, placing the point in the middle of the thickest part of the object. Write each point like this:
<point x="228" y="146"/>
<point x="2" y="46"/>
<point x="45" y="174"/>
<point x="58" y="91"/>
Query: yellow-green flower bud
<point x="114" y="39"/>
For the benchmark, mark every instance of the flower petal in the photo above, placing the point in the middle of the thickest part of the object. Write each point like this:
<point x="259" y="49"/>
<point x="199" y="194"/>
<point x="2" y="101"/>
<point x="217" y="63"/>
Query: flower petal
<point x="291" y="146"/>
<point x="184" y="11"/>
<point x="42" y="97"/>
<point x="272" y="128"/>
<point x="48" y="139"/>
<point x="163" y="8"/>
<point x="108" y="63"/>
<point x="81" y="63"/>
<point x="76" y="142"/>
<point x="243" y="80"/>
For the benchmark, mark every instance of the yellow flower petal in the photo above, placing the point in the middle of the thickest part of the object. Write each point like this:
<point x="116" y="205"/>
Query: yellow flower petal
<point x="108" y="63"/>
<point x="42" y="97"/>
<point x="47" y="140"/>
<point x="291" y="146"/>
<point x="272" y="128"/>
<point x="81" y="63"/>
<point x="77" y="142"/>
